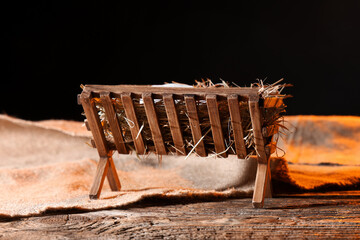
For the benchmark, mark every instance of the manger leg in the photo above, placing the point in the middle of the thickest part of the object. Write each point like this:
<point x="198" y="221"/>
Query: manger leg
<point x="262" y="174"/>
<point x="112" y="176"/>
<point x="268" y="188"/>
<point x="262" y="177"/>
<point x="101" y="171"/>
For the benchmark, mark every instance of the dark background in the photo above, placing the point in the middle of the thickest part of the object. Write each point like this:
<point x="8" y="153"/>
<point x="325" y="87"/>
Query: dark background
<point x="51" y="47"/>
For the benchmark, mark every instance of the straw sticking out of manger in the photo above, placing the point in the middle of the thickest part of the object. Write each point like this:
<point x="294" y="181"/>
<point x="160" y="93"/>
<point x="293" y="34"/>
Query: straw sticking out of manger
<point x="272" y="110"/>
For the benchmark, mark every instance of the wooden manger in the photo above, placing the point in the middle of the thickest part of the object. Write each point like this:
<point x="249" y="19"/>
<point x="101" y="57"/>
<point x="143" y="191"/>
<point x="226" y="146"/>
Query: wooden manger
<point x="182" y="121"/>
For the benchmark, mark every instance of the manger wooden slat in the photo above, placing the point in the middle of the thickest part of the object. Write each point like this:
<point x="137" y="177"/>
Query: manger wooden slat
<point x="101" y="171"/>
<point x="94" y="123"/>
<point x="113" y="122"/>
<point x="195" y="125"/>
<point x="134" y="129"/>
<point x="262" y="185"/>
<point x="233" y="103"/>
<point x="103" y="150"/>
<point x="257" y="130"/>
<point x="112" y="175"/>
<point x="136" y="89"/>
<point x="268" y="186"/>
<point x="262" y="174"/>
<point x="154" y="123"/>
<point x="215" y="123"/>
<point x="173" y="120"/>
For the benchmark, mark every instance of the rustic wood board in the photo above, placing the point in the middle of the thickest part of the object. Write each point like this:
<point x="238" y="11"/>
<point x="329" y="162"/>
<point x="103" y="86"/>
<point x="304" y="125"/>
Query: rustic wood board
<point x="113" y="122"/>
<point x="174" y="123"/>
<point x="195" y="125"/>
<point x="140" y="89"/>
<point x="234" y="110"/>
<point x="215" y="122"/>
<point x="128" y="104"/>
<point x="304" y="217"/>
<point x="154" y="123"/>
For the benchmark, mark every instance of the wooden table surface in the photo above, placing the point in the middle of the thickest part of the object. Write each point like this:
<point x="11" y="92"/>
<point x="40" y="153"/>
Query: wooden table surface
<point x="329" y="216"/>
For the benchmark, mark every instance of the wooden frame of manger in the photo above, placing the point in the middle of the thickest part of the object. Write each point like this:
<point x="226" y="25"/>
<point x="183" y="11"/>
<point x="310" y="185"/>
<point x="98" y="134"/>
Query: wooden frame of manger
<point x="236" y="120"/>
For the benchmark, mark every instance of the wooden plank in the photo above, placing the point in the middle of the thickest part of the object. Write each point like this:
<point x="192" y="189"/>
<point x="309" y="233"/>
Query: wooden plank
<point x="268" y="186"/>
<point x="335" y="216"/>
<point x="112" y="175"/>
<point x="215" y="123"/>
<point x="140" y="89"/>
<point x="256" y="125"/>
<point x="233" y="103"/>
<point x="262" y="174"/>
<point x="195" y="124"/>
<point x="94" y="123"/>
<point x="134" y="129"/>
<point x="101" y="172"/>
<point x="100" y="142"/>
<point x="261" y="185"/>
<point x="113" y="122"/>
<point x="103" y="150"/>
<point x="173" y="120"/>
<point x="154" y="123"/>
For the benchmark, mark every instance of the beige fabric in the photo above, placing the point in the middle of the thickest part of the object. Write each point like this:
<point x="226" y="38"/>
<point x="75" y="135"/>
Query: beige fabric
<point x="48" y="166"/>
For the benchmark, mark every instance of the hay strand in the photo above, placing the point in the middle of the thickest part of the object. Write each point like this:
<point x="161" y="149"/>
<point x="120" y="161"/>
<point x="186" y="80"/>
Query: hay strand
<point x="271" y="117"/>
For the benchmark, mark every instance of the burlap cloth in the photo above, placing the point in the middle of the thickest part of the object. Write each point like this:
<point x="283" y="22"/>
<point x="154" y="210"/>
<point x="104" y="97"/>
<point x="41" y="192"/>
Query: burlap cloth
<point x="47" y="166"/>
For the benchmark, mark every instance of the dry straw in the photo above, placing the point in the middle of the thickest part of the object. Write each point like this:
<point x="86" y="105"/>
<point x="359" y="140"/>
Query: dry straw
<point x="272" y="117"/>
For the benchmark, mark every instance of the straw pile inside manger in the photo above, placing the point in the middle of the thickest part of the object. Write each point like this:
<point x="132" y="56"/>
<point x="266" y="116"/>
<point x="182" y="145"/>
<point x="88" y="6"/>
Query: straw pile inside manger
<point x="272" y="109"/>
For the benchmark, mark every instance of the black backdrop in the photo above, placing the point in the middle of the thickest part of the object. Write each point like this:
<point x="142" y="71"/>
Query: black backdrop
<point x="51" y="47"/>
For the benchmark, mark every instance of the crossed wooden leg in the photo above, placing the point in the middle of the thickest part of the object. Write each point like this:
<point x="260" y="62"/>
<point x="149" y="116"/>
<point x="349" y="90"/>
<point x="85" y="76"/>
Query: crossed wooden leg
<point x="262" y="186"/>
<point x="106" y="167"/>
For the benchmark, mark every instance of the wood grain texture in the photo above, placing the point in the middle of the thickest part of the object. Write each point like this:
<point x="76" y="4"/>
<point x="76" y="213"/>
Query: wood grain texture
<point x="195" y="125"/>
<point x="268" y="186"/>
<point x="215" y="123"/>
<point x="257" y="130"/>
<point x="140" y="89"/>
<point x="234" y="110"/>
<point x="131" y="115"/>
<point x="113" y="122"/>
<point x="101" y="172"/>
<point x="174" y="124"/>
<point x="154" y="123"/>
<point x="262" y="174"/>
<point x="94" y="123"/>
<point x="103" y="150"/>
<point x="112" y="175"/>
<point x="286" y="217"/>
